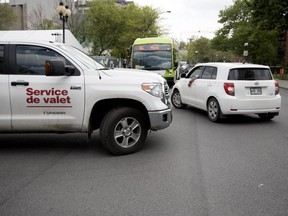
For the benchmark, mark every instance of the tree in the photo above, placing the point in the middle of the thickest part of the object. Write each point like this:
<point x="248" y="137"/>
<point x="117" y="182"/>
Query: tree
<point x="77" y="25"/>
<point x="7" y="16"/>
<point x="104" y="25"/>
<point x="38" y="19"/>
<point x="110" y="27"/>
<point x="200" y="51"/>
<point x="236" y="27"/>
<point x="270" y="14"/>
<point x="138" y="22"/>
<point x="239" y="27"/>
<point x="182" y="45"/>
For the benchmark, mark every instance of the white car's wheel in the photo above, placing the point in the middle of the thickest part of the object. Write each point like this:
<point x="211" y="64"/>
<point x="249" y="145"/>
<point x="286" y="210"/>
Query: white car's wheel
<point x="213" y="110"/>
<point x="176" y="100"/>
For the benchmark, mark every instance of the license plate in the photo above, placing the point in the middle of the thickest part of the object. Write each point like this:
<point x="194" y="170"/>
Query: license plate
<point x="256" y="91"/>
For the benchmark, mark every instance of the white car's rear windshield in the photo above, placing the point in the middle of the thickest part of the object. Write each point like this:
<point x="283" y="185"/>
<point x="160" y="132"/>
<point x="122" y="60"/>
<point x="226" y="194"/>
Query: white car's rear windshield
<point x="250" y="74"/>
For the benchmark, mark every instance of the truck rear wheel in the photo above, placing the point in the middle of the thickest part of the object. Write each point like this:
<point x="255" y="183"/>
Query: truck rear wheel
<point x="123" y="131"/>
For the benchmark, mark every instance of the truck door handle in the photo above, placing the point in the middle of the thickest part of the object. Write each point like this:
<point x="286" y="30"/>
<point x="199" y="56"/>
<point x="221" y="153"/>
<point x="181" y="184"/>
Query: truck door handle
<point x="15" y="83"/>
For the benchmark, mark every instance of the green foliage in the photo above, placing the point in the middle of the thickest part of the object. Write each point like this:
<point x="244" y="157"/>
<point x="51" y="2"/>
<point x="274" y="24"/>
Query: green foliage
<point x="234" y="16"/>
<point x="182" y="45"/>
<point x="7" y="16"/>
<point x="138" y="22"/>
<point x="104" y="25"/>
<point x="270" y="14"/>
<point x="200" y="50"/>
<point x="271" y="17"/>
<point x="250" y="21"/>
<point x="110" y="27"/>
<point x="263" y="47"/>
<point x="77" y="25"/>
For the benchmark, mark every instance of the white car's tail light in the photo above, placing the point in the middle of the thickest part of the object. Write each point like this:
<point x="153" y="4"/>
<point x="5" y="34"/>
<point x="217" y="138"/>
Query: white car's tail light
<point x="229" y="89"/>
<point x="276" y="88"/>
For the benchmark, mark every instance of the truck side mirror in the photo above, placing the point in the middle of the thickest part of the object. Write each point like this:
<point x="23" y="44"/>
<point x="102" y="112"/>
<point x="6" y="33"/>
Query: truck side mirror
<point x="57" y="68"/>
<point x="69" y="70"/>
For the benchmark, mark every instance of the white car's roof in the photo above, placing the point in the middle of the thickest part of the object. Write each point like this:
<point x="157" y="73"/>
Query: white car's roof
<point x="230" y="65"/>
<point x="223" y="68"/>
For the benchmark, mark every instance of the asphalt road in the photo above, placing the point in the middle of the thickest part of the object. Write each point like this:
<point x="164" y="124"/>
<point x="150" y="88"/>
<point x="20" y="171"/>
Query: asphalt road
<point x="194" y="167"/>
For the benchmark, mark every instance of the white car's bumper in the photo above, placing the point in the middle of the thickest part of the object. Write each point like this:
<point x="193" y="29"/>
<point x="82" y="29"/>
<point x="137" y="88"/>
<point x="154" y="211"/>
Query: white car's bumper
<point x="244" y="106"/>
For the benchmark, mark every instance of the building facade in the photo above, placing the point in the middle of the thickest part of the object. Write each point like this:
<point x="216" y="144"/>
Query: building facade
<point x="31" y="11"/>
<point x="82" y="6"/>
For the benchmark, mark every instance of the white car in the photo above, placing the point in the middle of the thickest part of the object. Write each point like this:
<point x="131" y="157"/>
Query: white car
<point x="227" y="89"/>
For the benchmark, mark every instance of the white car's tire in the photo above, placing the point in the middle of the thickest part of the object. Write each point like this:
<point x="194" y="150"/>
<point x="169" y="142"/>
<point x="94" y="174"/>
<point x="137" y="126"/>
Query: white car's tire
<point x="176" y="100"/>
<point x="214" y="110"/>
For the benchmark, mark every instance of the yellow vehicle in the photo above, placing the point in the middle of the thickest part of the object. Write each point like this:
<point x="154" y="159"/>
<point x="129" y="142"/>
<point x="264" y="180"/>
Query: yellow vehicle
<point x="156" y="54"/>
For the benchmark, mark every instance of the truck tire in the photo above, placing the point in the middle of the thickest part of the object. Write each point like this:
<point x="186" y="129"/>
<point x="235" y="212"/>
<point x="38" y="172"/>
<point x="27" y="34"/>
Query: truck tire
<point x="123" y="131"/>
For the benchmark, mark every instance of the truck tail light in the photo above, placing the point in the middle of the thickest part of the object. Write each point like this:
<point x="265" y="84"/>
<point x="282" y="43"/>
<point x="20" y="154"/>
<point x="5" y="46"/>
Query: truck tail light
<point x="276" y="88"/>
<point x="229" y="89"/>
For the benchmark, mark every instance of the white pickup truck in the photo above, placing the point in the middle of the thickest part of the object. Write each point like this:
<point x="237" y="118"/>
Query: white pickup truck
<point x="53" y="87"/>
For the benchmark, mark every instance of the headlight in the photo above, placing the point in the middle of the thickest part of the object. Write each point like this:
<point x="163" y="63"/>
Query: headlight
<point x="154" y="89"/>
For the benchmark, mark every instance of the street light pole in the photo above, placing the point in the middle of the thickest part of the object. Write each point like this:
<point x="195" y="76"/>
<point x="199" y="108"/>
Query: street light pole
<point x="64" y="13"/>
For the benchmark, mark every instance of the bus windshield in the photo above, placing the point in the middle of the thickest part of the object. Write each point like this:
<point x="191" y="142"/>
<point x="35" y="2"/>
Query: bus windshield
<point x="152" y="56"/>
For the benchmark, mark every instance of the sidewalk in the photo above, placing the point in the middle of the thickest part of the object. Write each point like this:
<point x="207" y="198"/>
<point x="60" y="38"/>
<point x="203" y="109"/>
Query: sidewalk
<point x="282" y="83"/>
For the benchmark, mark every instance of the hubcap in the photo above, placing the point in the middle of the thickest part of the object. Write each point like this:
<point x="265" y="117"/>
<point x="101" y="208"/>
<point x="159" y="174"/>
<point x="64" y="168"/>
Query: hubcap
<point x="177" y="99"/>
<point x="213" y="109"/>
<point x="127" y="132"/>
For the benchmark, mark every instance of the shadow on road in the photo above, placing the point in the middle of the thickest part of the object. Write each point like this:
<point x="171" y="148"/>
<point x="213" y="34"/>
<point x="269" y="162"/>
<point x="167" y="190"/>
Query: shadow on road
<point x="50" y="142"/>
<point x="233" y="119"/>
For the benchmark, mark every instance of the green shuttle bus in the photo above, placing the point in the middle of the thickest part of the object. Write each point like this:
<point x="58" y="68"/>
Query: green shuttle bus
<point x="156" y="54"/>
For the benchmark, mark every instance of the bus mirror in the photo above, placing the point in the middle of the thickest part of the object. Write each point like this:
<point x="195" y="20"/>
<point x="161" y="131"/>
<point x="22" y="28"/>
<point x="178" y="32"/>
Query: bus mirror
<point x="183" y="75"/>
<point x="129" y="52"/>
<point x="176" y="64"/>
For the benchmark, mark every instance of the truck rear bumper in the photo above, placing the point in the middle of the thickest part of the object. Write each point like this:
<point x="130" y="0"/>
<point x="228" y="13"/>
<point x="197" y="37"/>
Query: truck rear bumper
<point x="160" y="119"/>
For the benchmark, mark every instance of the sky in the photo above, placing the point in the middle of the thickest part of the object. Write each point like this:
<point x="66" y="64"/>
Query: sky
<point x="188" y="18"/>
